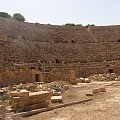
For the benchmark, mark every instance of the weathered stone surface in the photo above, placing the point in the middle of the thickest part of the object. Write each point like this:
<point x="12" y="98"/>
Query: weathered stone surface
<point x="31" y="107"/>
<point x="2" y="112"/>
<point x="102" y="89"/>
<point x="89" y="94"/>
<point x="2" y="91"/>
<point x="36" y="106"/>
<point x="24" y="93"/>
<point x="86" y="50"/>
<point x="87" y="80"/>
<point x="105" y="77"/>
<point x="72" y="77"/>
<point x="56" y="99"/>
<point x="30" y="87"/>
<point x="96" y="91"/>
<point x="33" y="98"/>
<point x="14" y="94"/>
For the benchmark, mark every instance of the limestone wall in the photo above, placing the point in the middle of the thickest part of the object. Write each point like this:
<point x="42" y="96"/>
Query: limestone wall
<point x="16" y="77"/>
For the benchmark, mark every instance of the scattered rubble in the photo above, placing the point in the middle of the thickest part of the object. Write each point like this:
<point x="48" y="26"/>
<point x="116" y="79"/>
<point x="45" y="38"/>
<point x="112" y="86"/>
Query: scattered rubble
<point x="3" y="94"/>
<point x="30" y="96"/>
<point x="25" y="97"/>
<point x="36" y="87"/>
<point x="56" y="88"/>
<point x="105" y="77"/>
<point x="83" y="80"/>
<point x="100" y="77"/>
<point x="96" y="91"/>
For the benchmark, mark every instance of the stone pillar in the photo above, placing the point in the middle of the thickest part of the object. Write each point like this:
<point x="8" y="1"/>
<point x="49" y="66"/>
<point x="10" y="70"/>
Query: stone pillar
<point x="72" y="77"/>
<point x="42" y="77"/>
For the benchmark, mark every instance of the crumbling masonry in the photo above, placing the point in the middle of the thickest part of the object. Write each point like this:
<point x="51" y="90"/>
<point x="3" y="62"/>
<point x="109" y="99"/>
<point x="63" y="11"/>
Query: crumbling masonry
<point x="35" y="52"/>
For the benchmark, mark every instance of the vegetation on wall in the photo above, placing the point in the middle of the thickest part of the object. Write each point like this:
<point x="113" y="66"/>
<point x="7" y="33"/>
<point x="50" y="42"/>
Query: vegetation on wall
<point x="16" y="16"/>
<point x="90" y="25"/>
<point x="72" y="24"/>
<point x="19" y="17"/>
<point x="4" y="14"/>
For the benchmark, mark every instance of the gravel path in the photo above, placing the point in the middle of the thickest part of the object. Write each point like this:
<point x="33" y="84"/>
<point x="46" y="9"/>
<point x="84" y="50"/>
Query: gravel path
<point x="105" y="106"/>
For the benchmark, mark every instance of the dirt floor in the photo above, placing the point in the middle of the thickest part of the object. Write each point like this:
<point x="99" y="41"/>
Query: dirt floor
<point x="104" y="106"/>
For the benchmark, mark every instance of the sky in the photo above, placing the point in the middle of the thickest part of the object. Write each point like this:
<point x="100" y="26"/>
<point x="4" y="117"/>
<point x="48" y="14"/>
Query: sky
<point x="59" y="12"/>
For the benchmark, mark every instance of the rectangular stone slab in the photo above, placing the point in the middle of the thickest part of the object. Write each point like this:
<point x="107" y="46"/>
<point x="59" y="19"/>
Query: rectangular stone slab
<point x="89" y="94"/>
<point x="24" y="93"/>
<point x="96" y="91"/>
<point x="33" y="98"/>
<point x="56" y="99"/>
<point x="15" y="94"/>
<point x="102" y="89"/>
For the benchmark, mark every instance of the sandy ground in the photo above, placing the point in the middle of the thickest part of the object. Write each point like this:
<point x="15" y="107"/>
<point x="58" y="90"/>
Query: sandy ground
<point x="104" y="106"/>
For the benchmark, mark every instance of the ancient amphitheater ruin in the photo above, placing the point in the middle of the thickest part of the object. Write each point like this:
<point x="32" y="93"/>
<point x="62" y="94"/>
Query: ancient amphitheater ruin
<point x="37" y="60"/>
<point x="35" y="52"/>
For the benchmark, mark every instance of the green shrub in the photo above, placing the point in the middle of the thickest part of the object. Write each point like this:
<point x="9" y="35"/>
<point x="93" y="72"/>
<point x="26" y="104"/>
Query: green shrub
<point x="19" y="17"/>
<point x="4" y="14"/>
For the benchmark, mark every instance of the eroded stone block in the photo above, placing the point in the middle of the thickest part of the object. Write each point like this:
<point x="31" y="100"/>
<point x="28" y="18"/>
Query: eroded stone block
<point x="102" y="89"/>
<point x="56" y="99"/>
<point x="96" y="91"/>
<point x="24" y="93"/>
<point x="14" y="94"/>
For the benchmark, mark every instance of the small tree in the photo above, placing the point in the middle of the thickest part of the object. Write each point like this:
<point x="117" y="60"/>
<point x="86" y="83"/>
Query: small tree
<point x="19" y="17"/>
<point x="90" y="25"/>
<point x="70" y="24"/>
<point x="78" y="25"/>
<point x="4" y="14"/>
